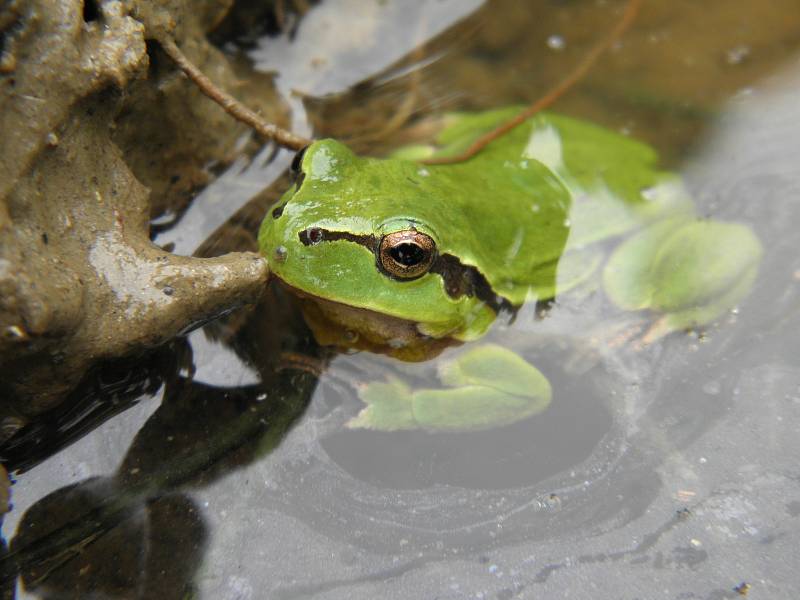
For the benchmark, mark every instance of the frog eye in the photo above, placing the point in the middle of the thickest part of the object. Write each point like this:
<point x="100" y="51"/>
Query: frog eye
<point x="297" y="161"/>
<point x="406" y="254"/>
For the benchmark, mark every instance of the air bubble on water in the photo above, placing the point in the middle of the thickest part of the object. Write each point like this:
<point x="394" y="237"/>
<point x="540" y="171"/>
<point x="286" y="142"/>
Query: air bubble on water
<point x="712" y="388"/>
<point x="553" y="502"/>
<point x="556" y="42"/>
<point x="737" y="54"/>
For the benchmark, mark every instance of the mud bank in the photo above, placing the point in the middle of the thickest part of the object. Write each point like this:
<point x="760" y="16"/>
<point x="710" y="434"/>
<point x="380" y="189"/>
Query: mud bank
<point x="100" y="133"/>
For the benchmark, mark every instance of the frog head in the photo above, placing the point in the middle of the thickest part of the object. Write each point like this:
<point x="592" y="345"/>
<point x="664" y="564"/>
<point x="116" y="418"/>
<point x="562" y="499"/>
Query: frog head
<point x="367" y="245"/>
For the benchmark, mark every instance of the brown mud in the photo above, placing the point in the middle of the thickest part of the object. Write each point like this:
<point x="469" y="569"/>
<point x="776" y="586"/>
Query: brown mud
<point x="100" y="133"/>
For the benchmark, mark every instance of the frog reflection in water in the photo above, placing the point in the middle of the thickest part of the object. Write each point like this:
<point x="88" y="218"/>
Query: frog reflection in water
<point x="395" y="256"/>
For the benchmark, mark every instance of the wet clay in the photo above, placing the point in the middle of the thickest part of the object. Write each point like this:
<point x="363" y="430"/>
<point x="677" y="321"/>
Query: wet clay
<point x="99" y="133"/>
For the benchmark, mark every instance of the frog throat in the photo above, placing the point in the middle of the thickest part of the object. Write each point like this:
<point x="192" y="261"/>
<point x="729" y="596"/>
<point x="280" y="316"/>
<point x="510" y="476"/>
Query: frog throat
<point x="459" y="279"/>
<point x="350" y="327"/>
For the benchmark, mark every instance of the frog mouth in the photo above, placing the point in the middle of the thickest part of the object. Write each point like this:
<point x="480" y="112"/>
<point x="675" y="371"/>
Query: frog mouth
<point x="459" y="279"/>
<point x="352" y="327"/>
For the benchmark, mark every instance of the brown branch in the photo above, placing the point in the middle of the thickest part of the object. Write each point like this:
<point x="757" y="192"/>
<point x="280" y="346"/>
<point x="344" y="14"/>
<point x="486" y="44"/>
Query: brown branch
<point x="628" y="17"/>
<point x="232" y="106"/>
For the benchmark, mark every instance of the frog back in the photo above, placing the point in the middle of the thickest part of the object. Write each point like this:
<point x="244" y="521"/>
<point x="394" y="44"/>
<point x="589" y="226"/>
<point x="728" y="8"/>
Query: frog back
<point x="552" y="184"/>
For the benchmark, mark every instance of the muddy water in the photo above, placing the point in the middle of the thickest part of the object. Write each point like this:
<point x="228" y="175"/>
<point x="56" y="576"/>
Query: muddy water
<point x="664" y="473"/>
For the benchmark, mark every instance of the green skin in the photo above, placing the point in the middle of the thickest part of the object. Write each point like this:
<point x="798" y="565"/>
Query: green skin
<point x="525" y="215"/>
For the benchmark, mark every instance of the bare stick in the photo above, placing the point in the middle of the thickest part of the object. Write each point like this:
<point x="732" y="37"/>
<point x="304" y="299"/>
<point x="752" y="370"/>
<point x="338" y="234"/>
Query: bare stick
<point x="631" y="10"/>
<point x="231" y="105"/>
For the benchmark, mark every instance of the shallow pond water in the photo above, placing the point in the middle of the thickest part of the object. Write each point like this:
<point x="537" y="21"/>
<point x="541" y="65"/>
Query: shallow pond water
<point x="665" y="472"/>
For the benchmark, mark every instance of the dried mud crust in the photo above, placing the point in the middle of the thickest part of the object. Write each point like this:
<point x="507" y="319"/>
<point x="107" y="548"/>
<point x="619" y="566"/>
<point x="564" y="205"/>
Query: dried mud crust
<point x="99" y="133"/>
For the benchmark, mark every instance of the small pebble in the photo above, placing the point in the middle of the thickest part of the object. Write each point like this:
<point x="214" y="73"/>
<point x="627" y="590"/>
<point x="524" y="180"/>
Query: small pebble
<point x="14" y="332"/>
<point x="742" y="588"/>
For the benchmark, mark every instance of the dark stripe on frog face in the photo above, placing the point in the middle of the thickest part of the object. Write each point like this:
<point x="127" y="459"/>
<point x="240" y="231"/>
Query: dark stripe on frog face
<point x="459" y="279"/>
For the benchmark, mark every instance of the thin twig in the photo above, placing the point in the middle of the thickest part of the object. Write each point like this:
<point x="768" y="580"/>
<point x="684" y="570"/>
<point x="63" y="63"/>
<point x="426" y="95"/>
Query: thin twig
<point x="628" y="17"/>
<point x="232" y="106"/>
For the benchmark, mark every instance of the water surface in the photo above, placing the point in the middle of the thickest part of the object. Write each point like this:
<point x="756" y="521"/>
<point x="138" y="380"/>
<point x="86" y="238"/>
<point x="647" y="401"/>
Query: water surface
<point x="665" y="473"/>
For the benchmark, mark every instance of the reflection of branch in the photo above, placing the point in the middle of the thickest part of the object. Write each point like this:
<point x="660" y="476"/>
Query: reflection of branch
<point x="263" y="424"/>
<point x="406" y="108"/>
<point x="232" y="106"/>
<point x="631" y="10"/>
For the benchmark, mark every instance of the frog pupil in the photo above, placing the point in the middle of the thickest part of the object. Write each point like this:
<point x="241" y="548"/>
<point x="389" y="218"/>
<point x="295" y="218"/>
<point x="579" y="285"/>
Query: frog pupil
<point x="314" y="235"/>
<point x="407" y="254"/>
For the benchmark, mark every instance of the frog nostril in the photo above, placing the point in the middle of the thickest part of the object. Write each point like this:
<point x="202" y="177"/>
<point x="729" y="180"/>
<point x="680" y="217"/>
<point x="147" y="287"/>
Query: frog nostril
<point x="280" y="254"/>
<point x="277" y="212"/>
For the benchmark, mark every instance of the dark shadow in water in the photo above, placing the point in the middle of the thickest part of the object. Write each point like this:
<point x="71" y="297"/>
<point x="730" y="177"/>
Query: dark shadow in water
<point x="134" y="533"/>
<point x="106" y="391"/>
<point x="150" y="550"/>
<point x="134" y="530"/>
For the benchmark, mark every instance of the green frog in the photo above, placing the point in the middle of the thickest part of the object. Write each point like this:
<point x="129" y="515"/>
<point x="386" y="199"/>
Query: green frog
<point x="406" y="258"/>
